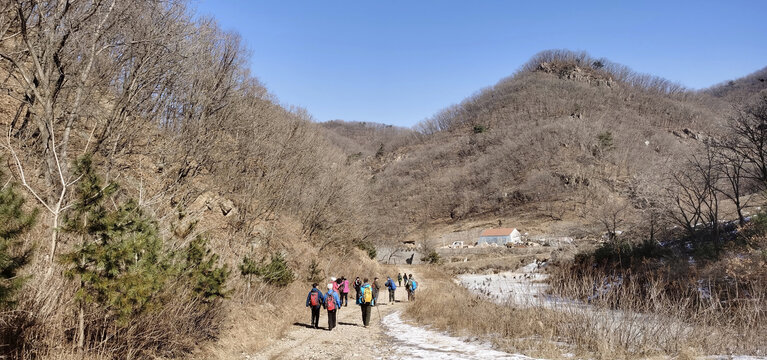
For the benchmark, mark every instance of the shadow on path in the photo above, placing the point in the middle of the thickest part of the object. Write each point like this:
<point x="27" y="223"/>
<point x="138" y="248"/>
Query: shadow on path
<point x="304" y="325"/>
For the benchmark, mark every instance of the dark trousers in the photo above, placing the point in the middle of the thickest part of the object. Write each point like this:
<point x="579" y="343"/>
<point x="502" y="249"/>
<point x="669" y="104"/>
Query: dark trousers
<point x="366" y="313"/>
<point x="315" y="316"/>
<point x="399" y="282"/>
<point x="331" y="319"/>
<point x="345" y="299"/>
<point x="391" y="295"/>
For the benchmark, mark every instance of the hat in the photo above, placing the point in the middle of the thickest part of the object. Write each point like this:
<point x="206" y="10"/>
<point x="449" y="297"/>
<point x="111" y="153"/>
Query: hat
<point x="330" y="286"/>
<point x="332" y="279"/>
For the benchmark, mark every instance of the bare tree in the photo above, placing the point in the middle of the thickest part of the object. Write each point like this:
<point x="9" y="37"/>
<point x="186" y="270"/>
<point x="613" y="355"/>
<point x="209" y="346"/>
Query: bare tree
<point x="748" y="127"/>
<point x="732" y="169"/>
<point x="686" y="193"/>
<point x="694" y="194"/>
<point x="52" y="64"/>
<point x="610" y="213"/>
<point x="83" y="73"/>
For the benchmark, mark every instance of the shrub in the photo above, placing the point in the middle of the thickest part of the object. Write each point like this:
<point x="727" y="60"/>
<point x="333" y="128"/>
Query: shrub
<point x="276" y="272"/>
<point x="14" y="221"/>
<point x="208" y="279"/>
<point x="621" y="254"/>
<point x="315" y="273"/>
<point x="478" y="129"/>
<point x="432" y="257"/>
<point x="605" y="140"/>
<point x="369" y="248"/>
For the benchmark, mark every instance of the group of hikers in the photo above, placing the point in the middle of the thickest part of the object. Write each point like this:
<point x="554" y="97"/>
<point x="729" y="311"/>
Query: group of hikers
<point x="366" y="296"/>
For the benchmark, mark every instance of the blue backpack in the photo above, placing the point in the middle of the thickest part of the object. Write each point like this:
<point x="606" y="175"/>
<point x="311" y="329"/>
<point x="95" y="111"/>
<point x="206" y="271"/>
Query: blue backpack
<point x="413" y="285"/>
<point x="391" y="285"/>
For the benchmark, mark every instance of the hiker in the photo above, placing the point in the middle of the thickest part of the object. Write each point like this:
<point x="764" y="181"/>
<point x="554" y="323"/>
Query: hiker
<point x="337" y="284"/>
<point x="399" y="279"/>
<point x="366" y="301"/>
<point x="315" y="299"/>
<point x="391" y="286"/>
<point x="357" y="285"/>
<point x="407" y="287"/>
<point x="334" y="282"/>
<point x="331" y="304"/>
<point x="413" y="286"/>
<point x="345" y="292"/>
<point x="375" y="291"/>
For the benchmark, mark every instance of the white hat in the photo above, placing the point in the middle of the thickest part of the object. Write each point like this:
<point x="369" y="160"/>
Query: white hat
<point x="332" y="279"/>
<point x="330" y="286"/>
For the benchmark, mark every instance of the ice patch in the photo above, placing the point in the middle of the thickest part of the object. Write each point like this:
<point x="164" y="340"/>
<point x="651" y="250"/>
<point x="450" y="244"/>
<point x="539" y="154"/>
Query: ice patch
<point x="414" y="342"/>
<point x="525" y="286"/>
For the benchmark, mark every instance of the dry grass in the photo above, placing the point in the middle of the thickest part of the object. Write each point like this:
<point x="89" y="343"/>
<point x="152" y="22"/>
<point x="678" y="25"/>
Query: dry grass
<point x="267" y="314"/>
<point x="656" y="327"/>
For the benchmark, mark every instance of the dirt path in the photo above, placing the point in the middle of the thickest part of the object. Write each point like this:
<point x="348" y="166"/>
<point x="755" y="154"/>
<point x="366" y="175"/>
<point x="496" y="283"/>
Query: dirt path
<point x="348" y="340"/>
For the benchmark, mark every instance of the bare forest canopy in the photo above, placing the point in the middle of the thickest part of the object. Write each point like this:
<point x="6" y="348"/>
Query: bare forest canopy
<point x="142" y="157"/>
<point x="563" y="136"/>
<point x="135" y="127"/>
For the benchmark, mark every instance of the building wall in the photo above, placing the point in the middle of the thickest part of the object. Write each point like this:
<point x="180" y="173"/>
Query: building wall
<point x="500" y="240"/>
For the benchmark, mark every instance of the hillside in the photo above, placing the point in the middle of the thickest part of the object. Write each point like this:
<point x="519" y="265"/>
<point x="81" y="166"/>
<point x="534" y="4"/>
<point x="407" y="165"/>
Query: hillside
<point x="361" y="139"/>
<point x="555" y="141"/>
<point x="156" y="194"/>
<point x="157" y="201"/>
<point x="739" y="90"/>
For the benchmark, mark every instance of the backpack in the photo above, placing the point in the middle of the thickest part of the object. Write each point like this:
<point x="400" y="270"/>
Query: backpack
<point x="331" y="302"/>
<point x="314" y="299"/>
<point x="367" y="295"/>
<point x="391" y="285"/>
<point x="413" y="285"/>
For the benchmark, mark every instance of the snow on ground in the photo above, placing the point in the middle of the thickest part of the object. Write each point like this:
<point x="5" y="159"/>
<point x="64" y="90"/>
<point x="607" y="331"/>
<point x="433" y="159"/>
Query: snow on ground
<point x="412" y="342"/>
<point x="524" y="286"/>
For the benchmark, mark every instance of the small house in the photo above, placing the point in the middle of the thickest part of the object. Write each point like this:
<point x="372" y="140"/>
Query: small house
<point x="500" y="237"/>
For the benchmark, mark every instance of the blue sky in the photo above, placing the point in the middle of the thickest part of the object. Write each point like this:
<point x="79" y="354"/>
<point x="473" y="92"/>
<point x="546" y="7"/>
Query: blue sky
<point x="398" y="62"/>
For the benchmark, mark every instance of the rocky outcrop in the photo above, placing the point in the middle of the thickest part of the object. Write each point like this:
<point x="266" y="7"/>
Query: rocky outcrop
<point x="689" y="134"/>
<point x="570" y="71"/>
<point x="209" y="201"/>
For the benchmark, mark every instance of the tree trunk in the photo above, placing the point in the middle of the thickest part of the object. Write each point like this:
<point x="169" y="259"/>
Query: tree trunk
<point x="81" y="327"/>
<point x="54" y="242"/>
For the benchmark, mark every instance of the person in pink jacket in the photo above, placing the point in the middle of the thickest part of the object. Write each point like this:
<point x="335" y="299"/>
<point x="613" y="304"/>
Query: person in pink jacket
<point x="345" y="291"/>
<point x="336" y="284"/>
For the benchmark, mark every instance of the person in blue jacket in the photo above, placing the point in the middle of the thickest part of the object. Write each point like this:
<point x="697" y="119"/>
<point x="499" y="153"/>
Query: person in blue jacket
<point x="315" y="299"/>
<point x="332" y="303"/>
<point x="366" y="301"/>
<point x="391" y="286"/>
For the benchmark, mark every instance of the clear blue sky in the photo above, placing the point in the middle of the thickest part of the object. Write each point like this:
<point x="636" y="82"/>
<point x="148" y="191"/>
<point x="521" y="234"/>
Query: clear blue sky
<point x="398" y="62"/>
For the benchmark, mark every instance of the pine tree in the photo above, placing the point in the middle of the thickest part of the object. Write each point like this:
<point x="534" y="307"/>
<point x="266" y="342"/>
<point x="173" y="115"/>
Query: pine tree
<point x="121" y="263"/>
<point x="208" y="279"/>
<point x="118" y="260"/>
<point x="14" y="222"/>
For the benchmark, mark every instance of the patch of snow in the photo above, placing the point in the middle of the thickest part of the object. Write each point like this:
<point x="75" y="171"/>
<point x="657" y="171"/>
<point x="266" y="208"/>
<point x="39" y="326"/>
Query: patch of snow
<point x="413" y="342"/>
<point x="524" y="286"/>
